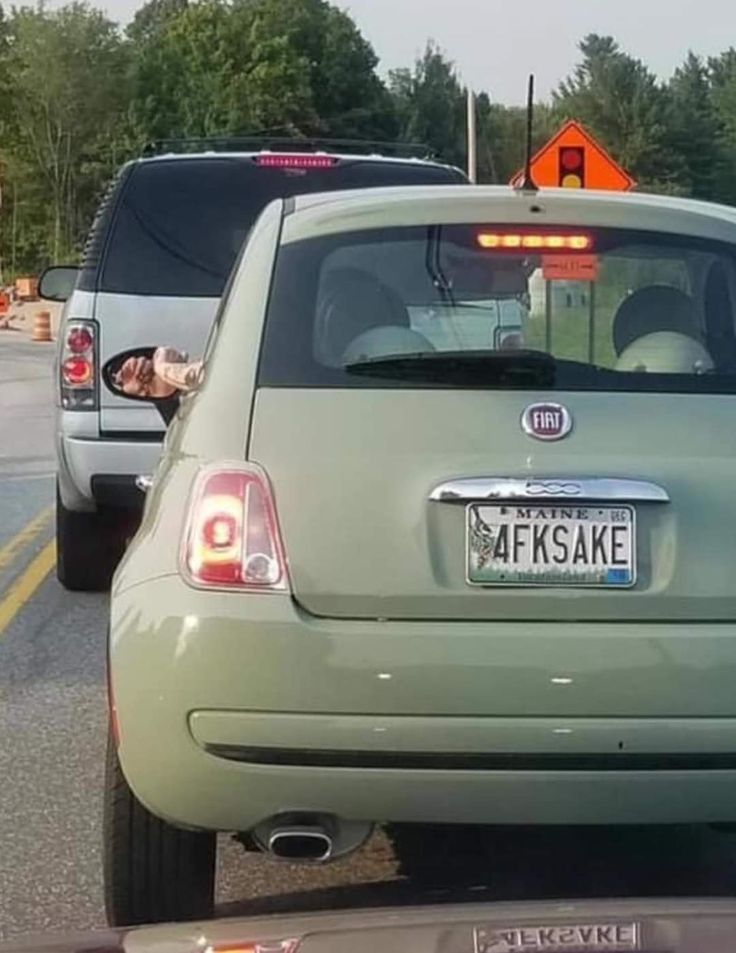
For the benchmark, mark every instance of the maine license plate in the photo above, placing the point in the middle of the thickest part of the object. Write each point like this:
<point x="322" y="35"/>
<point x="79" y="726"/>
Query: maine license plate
<point x="525" y="544"/>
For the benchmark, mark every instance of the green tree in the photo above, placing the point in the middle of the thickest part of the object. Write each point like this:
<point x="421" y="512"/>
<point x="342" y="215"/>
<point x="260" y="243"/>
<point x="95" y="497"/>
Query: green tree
<point x="431" y="105"/>
<point x="502" y="137"/>
<point x="722" y="75"/>
<point x="298" y="66"/>
<point x="66" y="94"/>
<point x="621" y="102"/>
<point x="694" y="130"/>
<point x="334" y="61"/>
<point x="152" y="17"/>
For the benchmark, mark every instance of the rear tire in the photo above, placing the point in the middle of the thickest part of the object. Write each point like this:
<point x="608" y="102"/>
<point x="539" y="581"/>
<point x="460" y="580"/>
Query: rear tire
<point x="153" y="872"/>
<point x="89" y="546"/>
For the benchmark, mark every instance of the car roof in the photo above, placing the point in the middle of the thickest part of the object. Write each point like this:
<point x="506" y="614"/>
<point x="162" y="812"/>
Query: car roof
<point x="333" y="212"/>
<point x="342" y="156"/>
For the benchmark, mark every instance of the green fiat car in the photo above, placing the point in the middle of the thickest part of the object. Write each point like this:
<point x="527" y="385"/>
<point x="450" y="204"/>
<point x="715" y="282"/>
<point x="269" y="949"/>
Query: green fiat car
<point x="394" y="569"/>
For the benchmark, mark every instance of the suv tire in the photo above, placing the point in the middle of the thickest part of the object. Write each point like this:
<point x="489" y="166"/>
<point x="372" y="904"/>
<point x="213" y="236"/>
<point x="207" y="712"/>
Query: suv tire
<point x="89" y="546"/>
<point x="153" y="872"/>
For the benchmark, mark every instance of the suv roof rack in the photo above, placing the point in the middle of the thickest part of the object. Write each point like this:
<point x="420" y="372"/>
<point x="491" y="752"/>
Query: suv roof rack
<point x="415" y="150"/>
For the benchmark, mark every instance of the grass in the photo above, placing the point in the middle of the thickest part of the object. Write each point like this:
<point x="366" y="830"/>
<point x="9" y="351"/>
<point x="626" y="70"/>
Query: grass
<point x="570" y="332"/>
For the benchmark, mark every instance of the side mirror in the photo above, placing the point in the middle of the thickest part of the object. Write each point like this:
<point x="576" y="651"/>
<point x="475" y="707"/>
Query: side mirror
<point x="130" y="374"/>
<point x="57" y="282"/>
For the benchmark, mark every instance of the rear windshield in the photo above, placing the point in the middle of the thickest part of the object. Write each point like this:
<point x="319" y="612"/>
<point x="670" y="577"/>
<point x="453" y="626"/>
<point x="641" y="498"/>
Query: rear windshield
<point x="497" y="307"/>
<point x="180" y="223"/>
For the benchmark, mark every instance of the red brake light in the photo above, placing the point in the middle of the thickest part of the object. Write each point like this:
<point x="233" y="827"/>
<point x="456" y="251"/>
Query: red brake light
<point x="77" y="371"/>
<point x="77" y="366"/>
<point x="531" y="240"/>
<point x="263" y="946"/>
<point x="233" y="538"/>
<point x="79" y="339"/>
<point x="295" y="161"/>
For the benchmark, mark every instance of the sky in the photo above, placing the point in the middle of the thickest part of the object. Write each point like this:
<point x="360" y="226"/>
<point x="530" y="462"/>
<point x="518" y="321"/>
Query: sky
<point x="495" y="44"/>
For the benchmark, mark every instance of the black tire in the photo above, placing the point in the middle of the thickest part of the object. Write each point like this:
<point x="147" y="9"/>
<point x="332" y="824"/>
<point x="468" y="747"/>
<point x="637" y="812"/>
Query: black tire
<point x="89" y="546"/>
<point x="153" y="872"/>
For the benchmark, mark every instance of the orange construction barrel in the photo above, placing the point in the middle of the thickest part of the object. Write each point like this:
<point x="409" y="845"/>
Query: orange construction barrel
<point x="42" y="327"/>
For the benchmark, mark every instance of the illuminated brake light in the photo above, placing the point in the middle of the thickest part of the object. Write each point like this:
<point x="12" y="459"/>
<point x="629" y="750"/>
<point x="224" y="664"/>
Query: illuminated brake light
<point x="76" y="371"/>
<point x="233" y="539"/>
<point x="296" y="161"/>
<point x="551" y="242"/>
<point x="262" y="946"/>
<point x="77" y="366"/>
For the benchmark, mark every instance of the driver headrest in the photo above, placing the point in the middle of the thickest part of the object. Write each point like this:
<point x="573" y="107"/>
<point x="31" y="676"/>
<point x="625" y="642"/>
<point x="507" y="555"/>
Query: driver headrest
<point x="352" y="301"/>
<point x="656" y="308"/>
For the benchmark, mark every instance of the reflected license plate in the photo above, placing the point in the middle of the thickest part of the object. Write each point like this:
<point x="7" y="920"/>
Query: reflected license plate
<point x="528" y="544"/>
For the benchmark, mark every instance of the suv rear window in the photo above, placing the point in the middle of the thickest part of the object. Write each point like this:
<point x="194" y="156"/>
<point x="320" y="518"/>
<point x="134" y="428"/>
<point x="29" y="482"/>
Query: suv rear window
<point x="179" y="224"/>
<point x="494" y="306"/>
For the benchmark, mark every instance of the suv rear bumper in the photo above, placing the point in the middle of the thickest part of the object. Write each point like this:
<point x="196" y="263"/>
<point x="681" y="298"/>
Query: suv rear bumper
<point x="261" y="709"/>
<point x="102" y="471"/>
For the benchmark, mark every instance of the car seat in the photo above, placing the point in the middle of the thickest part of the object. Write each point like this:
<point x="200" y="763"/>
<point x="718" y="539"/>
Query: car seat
<point x="719" y="319"/>
<point x="650" y="309"/>
<point x="665" y="352"/>
<point x="352" y="303"/>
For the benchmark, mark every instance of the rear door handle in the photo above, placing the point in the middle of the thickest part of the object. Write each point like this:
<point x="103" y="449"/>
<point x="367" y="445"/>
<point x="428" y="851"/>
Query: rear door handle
<point x="144" y="482"/>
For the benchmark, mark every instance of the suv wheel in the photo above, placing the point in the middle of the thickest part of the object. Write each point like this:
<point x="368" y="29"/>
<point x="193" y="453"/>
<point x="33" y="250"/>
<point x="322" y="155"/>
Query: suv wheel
<point x="153" y="872"/>
<point x="89" y="546"/>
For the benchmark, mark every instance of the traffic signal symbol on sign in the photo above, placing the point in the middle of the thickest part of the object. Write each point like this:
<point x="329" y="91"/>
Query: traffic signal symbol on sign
<point x="573" y="159"/>
<point x="572" y="167"/>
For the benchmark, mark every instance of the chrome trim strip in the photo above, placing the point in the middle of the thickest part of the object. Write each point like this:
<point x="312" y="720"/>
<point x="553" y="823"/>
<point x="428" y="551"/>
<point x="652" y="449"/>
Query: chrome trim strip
<point x="548" y="488"/>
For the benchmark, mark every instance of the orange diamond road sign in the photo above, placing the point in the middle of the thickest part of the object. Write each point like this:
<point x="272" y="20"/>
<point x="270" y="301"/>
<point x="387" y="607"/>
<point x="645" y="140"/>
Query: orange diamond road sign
<point x="572" y="159"/>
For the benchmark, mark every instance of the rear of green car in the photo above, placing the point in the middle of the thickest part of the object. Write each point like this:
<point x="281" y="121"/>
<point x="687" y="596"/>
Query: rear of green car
<point x="393" y="569"/>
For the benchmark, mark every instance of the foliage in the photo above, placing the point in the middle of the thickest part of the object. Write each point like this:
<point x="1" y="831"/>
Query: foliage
<point x="64" y="76"/>
<point x="79" y="95"/>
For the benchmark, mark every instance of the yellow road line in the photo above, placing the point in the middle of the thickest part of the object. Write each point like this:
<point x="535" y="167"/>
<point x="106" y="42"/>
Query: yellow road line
<point x="24" y="537"/>
<point x="25" y="586"/>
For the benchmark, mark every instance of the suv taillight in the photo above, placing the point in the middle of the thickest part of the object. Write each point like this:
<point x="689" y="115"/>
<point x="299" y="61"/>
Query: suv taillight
<point x="78" y="366"/>
<point x="232" y="539"/>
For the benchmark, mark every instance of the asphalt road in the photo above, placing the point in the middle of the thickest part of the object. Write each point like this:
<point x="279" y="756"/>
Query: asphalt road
<point x="52" y="725"/>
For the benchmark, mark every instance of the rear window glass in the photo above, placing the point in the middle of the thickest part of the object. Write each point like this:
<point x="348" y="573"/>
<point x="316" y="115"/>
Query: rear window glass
<point x="179" y="224"/>
<point x="494" y="306"/>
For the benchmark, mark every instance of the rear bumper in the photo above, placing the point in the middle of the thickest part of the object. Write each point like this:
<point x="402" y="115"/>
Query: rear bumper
<point x="102" y="471"/>
<point x="232" y="709"/>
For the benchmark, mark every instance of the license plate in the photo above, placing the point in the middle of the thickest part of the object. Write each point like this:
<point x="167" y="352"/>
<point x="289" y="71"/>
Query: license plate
<point x="525" y="544"/>
<point x="558" y="938"/>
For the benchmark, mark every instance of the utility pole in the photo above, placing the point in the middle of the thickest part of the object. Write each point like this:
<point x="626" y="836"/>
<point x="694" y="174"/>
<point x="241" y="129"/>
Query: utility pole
<point x="472" y="139"/>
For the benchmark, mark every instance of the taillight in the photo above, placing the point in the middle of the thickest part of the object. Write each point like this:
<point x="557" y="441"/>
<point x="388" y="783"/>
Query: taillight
<point x="77" y="366"/>
<point x="77" y="371"/>
<point x="232" y="539"/>
<point x="295" y="160"/>
<point x="79" y="339"/>
<point x="261" y="946"/>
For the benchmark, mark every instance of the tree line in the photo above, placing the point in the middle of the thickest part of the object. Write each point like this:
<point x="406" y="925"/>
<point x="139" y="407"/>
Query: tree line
<point x="79" y="95"/>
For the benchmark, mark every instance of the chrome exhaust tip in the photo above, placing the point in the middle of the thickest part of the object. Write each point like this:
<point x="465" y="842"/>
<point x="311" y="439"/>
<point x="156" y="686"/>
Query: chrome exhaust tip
<point x="301" y="844"/>
<point x="309" y="837"/>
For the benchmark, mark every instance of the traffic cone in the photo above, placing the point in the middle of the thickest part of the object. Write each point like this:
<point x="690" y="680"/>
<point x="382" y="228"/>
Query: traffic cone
<point x="42" y="327"/>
